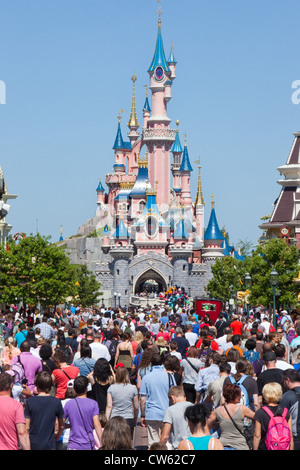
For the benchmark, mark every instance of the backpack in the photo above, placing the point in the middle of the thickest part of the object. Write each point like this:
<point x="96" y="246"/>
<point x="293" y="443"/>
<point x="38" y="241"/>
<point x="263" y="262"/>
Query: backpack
<point x="245" y="397"/>
<point x="19" y="371"/>
<point x="278" y="435"/>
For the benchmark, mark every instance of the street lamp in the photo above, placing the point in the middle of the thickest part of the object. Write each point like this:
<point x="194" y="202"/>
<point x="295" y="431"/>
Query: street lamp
<point x="231" y="299"/>
<point x="119" y="295"/>
<point x="274" y="284"/>
<point x="115" y="296"/>
<point x="248" y="282"/>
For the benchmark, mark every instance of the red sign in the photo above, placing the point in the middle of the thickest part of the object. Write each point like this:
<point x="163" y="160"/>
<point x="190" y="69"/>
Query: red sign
<point x="211" y="308"/>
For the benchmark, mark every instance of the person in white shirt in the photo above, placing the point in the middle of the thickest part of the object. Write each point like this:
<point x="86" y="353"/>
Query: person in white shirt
<point x="99" y="350"/>
<point x="190" y="336"/>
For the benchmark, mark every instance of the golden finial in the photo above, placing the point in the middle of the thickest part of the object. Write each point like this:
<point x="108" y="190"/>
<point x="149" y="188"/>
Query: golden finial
<point x="212" y="201"/>
<point x="159" y="12"/>
<point x="133" y="121"/>
<point x="177" y="124"/>
<point x="199" y="197"/>
<point x="61" y="230"/>
<point x="146" y="86"/>
<point x="120" y="115"/>
<point x="185" y="138"/>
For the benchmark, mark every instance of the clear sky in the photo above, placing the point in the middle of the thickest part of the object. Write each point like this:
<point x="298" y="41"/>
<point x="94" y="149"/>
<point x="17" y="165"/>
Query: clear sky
<point x="67" y="65"/>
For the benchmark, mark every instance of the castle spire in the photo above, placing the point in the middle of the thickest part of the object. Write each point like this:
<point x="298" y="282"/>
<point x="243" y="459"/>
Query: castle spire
<point x="159" y="57"/>
<point x="199" y="197"/>
<point x="133" y="121"/>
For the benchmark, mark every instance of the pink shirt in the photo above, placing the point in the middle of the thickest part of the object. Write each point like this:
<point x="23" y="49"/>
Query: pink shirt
<point x="12" y="413"/>
<point x="32" y="366"/>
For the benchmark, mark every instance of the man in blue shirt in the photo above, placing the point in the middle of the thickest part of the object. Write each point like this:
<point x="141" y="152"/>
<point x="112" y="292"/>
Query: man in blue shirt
<point x="154" y="398"/>
<point x="21" y="335"/>
<point x="207" y="375"/>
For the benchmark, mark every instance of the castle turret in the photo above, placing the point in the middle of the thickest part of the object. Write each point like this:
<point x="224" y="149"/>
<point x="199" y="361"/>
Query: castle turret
<point x="213" y="238"/>
<point x="133" y="124"/>
<point x="199" y="206"/>
<point x="185" y="171"/>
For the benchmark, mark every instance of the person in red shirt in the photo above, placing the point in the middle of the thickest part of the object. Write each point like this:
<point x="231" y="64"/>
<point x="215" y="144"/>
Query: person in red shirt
<point x="63" y="374"/>
<point x="236" y="326"/>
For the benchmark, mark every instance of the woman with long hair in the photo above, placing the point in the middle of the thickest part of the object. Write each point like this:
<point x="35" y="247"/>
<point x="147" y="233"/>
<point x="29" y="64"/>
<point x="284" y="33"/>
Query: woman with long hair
<point x="9" y="351"/>
<point x="116" y="435"/>
<point x="122" y="399"/>
<point x="100" y="379"/>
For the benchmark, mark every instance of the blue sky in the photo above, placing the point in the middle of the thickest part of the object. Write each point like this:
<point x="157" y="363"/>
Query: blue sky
<point x="67" y="66"/>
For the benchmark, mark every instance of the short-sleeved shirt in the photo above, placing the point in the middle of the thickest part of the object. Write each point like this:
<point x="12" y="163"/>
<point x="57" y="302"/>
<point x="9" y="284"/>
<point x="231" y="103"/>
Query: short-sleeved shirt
<point x="42" y="412"/>
<point x="174" y="415"/>
<point x="291" y="401"/>
<point x="237" y="327"/>
<point x="122" y="398"/>
<point x="155" y="386"/>
<point x="12" y="413"/>
<point x="62" y="377"/>
<point x="267" y="376"/>
<point x="81" y="413"/>
<point x="263" y="418"/>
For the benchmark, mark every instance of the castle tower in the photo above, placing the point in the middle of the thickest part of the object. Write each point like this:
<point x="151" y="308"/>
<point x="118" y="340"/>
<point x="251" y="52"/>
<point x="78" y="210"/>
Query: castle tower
<point x="177" y="152"/>
<point x="185" y="171"/>
<point x="199" y="206"/>
<point x="100" y="193"/>
<point x="157" y="135"/>
<point x="213" y="238"/>
<point x="133" y="124"/>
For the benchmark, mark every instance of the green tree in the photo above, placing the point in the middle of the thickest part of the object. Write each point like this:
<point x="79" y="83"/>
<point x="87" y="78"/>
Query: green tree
<point x="87" y="286"/>
<point x="35" y="270"/>
<point x="227" y="271"/>
<point x="285" y="259"/>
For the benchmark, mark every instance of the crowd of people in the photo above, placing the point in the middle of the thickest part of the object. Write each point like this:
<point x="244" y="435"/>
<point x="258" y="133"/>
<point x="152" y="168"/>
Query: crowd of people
<point x="84" y="379"/>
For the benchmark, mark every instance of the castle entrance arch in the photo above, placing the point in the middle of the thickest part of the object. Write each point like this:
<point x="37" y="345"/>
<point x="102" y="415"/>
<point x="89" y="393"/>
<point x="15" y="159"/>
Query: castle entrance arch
<point x="150" y="283"/>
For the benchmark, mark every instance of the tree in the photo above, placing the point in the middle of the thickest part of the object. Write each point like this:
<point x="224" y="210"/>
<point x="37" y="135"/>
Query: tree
<point x="35" y="271"/>
<point x="285" y="259"/>
<point x="87" y="286"/>
<point x="227" y="271"/>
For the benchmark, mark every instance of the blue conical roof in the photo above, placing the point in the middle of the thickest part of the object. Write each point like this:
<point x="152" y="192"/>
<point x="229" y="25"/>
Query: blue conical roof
<point x="119" y="142"/>
<point x="171" y="59"/>
<point x="100" y="186"/>
<point x="147" y="105"/>
<point x="177" y="145"/>
<point x="159" y="57"/>
<point x="185" y="162"/>
<point x="181" y="232"/>
<point x="213" y="232"/>
<point x="142" y="183"/>
<point x="121" y="231"/>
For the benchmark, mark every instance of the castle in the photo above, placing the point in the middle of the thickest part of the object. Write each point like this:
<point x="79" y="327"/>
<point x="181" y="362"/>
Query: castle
<point x="149" y="231"/>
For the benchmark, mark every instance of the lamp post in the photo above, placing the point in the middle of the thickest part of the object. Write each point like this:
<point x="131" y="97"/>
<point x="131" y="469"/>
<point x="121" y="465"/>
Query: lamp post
<point x="231" y="299"/>
<point x="119" y="295"/>
<point x="274" y="284"/>
<point x="115" y="296"/>
<point x="248" y="281"/>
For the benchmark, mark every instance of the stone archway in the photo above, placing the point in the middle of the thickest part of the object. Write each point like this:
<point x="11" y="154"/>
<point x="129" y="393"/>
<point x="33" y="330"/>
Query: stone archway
<point x="150" y="281"/>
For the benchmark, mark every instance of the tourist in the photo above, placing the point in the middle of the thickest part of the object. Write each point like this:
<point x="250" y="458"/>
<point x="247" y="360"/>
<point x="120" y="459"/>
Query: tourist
<point x="60" y="344"/>
<point x="46" y="330"/>
<point x="197" y="416"/>
<point x="281" y="361"/>
<point x="62" y="374"/>
<point x="215" y="387"/>
<point x="272" y="393"/>
<point x="13" y="431"/>
<point x="271" y="374"/>
<point x="101" y="379"/>
<point x="145" y="365"/>
<point x="182" y="342"/>
<point x="175" y="428"/>
<point x="122" y="399"/>
<point x="207" y="374"/>
<point x="230" y="417"/>
<point x="83" y="414"/>
<point x="154" y="398"/>
<point x="190" y="366"/>
<point x="85" y="362"/>
<point x="9" y="351"/>
<point x="41" y="413"/>
<point x="21" y="335"/>
<point x="31" y="364"/>
<point x="124" y="352"/>
<point x="116" y="435"/>
<point x="291" y="400"/>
